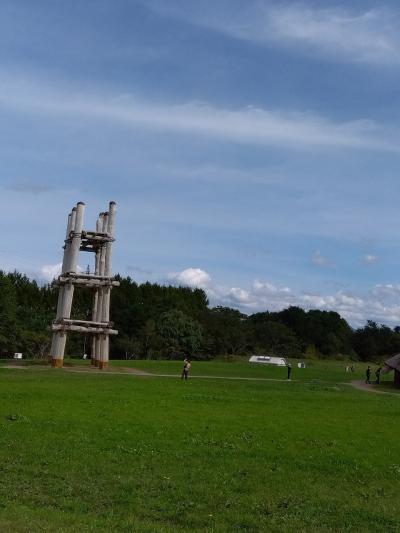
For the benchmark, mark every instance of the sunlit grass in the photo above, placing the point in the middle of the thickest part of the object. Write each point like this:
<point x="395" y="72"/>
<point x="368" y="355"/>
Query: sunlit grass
<point x="86" y="452"/>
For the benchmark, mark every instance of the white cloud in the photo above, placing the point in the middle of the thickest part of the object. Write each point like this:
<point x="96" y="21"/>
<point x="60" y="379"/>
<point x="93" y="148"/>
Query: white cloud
<point x="240" y="296"/>
<point x="365" y="36"/>
<point x="380" y="303"/>
<point x="191" y="277"/>
<point x="386" y="291"/>
<point x="250" y="125"/>
<point x="49" y="272"/>
<point x="371" y="36"/>
<point x="321" y="261"/>
<point x="369" y="259"/>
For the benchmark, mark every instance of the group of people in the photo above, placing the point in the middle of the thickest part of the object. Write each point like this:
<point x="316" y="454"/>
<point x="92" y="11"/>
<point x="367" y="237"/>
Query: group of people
<point x="377" y="374"/>
<point x="187" y="365"/>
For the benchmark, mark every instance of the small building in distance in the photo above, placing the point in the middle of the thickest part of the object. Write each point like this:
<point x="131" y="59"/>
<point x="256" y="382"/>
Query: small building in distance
<point x="393" y="364"/>
<point x="268" y="360"/>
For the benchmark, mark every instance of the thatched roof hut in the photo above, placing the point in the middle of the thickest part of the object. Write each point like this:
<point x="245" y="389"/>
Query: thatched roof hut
<point x="393" y="364"/>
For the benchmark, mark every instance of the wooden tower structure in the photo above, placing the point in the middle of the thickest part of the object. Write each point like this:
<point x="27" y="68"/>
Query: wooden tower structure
<point x="99" y="328"/>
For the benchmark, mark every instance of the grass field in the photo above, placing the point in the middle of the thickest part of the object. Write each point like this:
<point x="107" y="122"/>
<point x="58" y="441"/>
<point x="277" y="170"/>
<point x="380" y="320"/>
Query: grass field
<point x="316" y="370"/>
<point x="92" y="452"/>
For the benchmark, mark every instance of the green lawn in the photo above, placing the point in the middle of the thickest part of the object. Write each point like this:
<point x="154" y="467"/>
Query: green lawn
<point x="92" y="452"/>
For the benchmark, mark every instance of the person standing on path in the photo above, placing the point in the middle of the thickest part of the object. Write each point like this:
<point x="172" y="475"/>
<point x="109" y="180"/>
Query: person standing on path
<point x="185" y="362"/>
<point x="368" y="375"/>
<point x="289" y="370"/>
<point x="378" y="375"/>
<point x="186" y="368"/>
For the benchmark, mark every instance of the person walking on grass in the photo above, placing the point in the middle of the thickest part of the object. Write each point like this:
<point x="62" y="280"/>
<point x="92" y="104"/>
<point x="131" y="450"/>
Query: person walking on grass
<point x="378" y="375"/>
<point x="186" y="368"/>
<point x="289" y="370"/>
<point x="368" y="375"/>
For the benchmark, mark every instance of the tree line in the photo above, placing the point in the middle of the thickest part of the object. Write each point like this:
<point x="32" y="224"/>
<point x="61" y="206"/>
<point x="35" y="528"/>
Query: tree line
<point x="165" y="322"/>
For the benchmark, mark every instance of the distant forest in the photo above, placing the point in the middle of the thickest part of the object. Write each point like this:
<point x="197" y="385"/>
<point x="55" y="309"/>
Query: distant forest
<point x="165" y="322"/>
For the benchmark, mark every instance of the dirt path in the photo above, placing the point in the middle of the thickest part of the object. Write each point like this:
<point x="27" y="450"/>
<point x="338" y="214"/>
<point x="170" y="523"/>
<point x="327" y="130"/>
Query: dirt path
<point x="88" y="370"/>
<point x="135" y="372"/>
<point x="361" y="385"/>
<point x="94" y="370"/>
<point x="138" y="372"/>
<point x="24" y="367"/>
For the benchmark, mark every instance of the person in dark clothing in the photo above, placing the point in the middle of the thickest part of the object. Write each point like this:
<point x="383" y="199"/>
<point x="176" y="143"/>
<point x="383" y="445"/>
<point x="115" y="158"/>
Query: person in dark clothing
<point x="186" y="368"/>
<point x="378" y="375"/>
<point x="289" y="370"/>
<point x="185" y="362"/>
<point x="368" y="375"/>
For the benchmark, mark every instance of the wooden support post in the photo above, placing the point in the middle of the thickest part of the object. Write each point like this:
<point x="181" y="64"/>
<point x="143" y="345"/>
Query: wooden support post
<point x="101" y="302"/>
<point x="70" y="261"/>
<point x="105" y="317"/>
<point x="99" y="227"/>
<point x="103" y="363"/>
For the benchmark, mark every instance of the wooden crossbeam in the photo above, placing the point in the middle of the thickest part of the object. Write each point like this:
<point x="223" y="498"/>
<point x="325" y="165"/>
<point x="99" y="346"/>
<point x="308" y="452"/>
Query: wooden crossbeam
<point x="84" y="329"/>
<point x="87" y="282"/>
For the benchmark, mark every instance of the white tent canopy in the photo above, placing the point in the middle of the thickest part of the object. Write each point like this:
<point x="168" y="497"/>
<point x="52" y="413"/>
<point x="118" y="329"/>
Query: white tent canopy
<point x="268" y="360"/>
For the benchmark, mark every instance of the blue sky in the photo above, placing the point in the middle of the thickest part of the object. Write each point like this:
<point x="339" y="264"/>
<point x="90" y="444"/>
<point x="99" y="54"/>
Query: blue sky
<point x="252" y="146"/>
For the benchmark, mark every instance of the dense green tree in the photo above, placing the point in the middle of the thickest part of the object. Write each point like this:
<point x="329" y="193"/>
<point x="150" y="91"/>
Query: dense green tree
<point x="375" y="341"/>
<point x="148" y="334"/>
<point x="227" y="330"/>
<point x="274" y="337"/>
<point x="156" y="321"/>
<point x="8" y="310"/>
<point x="179" y="334"/>
<point x="34" y="344"/>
